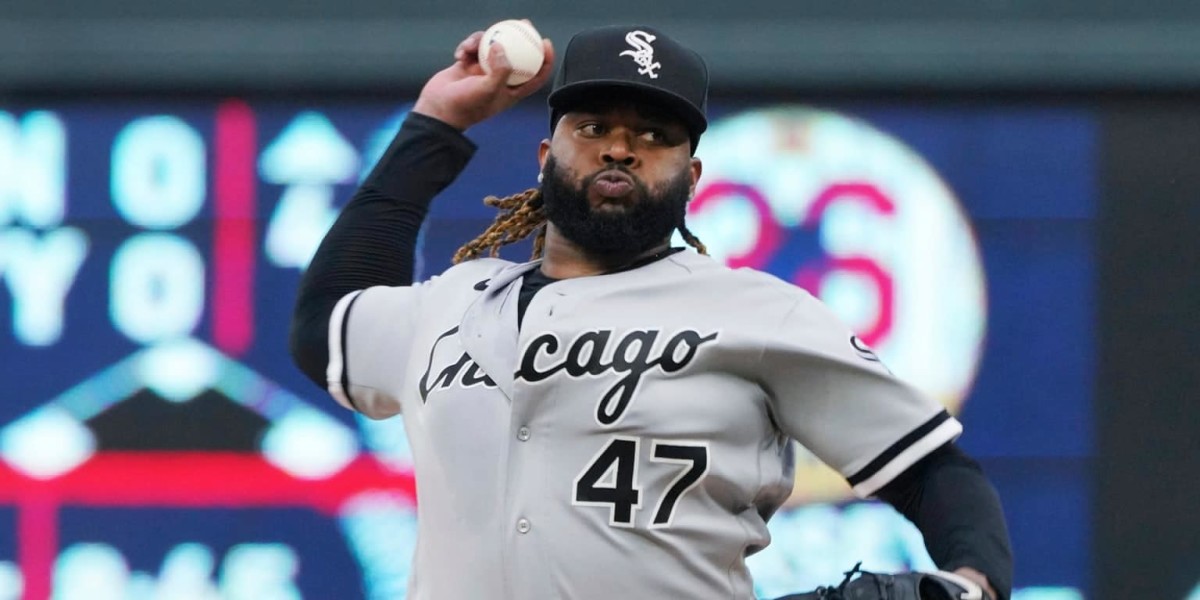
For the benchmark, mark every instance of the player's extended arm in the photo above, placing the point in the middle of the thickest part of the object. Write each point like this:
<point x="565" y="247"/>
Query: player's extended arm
<point x="948" y="498"/>
<point x="833" y="395"/>
<point x="954" y="506"/>
<point x="374" y="238"/>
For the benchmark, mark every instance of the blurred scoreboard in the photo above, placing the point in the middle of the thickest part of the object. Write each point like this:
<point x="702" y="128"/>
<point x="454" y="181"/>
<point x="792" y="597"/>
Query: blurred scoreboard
<point x="156" y="442"/>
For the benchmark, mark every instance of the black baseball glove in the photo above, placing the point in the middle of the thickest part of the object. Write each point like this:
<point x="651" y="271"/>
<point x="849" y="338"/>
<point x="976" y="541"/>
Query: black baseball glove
<point x="897" y="586"/>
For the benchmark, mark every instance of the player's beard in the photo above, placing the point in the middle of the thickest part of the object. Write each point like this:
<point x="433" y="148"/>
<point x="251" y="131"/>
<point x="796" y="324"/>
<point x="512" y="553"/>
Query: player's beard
<point x="649" y="221"/>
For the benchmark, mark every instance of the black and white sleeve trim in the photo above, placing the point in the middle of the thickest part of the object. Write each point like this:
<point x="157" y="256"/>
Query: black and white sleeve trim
<point x="336" y="374"/>
<point x="904" y="453"/>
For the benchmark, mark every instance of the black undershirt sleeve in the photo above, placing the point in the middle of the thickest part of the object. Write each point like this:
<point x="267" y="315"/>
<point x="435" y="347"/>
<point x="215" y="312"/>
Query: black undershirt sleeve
<point x="948" y="498"/>
<point x="374" y="238"/>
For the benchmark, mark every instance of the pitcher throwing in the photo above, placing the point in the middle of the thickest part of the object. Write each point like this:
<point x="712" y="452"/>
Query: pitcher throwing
<point x="615" y="418"/>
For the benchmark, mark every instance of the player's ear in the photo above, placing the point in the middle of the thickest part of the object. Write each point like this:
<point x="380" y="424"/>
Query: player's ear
<point x="543" y="154"/>
<point x="696" y="168"/>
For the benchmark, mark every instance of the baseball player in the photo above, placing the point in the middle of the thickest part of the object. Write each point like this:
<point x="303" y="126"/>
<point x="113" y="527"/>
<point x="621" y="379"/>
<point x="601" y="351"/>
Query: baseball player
<point x="613" y="419"/>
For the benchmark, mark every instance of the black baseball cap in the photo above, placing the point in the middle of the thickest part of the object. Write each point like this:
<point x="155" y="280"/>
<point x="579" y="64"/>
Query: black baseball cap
<point x="633" y="58"/>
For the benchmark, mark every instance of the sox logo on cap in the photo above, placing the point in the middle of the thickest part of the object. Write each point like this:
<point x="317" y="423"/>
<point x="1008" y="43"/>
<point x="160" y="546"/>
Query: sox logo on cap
<point x="643" y="52"/>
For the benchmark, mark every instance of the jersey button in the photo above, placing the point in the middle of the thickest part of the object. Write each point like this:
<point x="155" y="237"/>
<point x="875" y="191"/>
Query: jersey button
<point x="523" y="525"/>
<point x="523" y="434"/>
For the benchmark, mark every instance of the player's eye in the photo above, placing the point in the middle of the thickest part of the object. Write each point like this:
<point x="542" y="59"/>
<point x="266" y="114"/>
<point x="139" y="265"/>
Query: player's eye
<point x="655" y="136"/>
<point x="591" y="129"/>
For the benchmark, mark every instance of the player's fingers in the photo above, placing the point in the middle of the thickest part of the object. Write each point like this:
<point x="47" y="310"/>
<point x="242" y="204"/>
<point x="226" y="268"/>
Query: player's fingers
<point x="543" y="74"/>
<point x="499" y="67"/>
<point x="468" y="49"/>
<point x="547" y="63"/>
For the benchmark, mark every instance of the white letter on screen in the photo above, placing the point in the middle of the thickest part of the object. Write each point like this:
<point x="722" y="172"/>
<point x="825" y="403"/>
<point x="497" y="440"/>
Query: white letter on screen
<point x="32" y="169"/>
<point x="157" y="287"/>
<point x="158" y="172"/>
<point x="38" y="274"/>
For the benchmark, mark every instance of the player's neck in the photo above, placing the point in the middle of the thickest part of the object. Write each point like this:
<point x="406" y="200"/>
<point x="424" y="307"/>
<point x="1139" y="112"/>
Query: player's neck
<point x="563" y="259"/>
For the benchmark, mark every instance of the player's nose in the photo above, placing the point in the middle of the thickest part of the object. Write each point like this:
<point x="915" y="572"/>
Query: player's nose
<point x="619" y="150"/>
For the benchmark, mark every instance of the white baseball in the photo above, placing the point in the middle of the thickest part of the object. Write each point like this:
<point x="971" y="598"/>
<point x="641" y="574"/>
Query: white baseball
<point x="523" y="45"/>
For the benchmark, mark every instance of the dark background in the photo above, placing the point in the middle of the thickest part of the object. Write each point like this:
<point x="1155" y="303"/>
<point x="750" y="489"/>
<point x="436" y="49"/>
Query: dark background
<point x="814" y="45"/>
<point x="1147" y="528"/>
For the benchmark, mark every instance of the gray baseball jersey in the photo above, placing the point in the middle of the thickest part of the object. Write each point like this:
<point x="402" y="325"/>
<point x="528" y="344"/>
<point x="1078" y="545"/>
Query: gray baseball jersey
<point x="631" y="438"/>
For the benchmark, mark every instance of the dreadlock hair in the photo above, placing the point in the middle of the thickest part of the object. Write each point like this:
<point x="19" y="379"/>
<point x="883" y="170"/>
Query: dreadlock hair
<point x="521" y="215"/>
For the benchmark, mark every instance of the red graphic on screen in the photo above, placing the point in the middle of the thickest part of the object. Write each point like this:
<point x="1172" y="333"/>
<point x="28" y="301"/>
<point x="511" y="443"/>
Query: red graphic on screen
<point x="152" y="448"/>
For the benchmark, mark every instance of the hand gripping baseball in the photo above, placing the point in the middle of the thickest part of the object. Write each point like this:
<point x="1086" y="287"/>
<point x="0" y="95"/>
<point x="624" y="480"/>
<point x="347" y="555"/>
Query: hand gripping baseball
<point x="464" y="94"/>
<point x="897" y="586"/>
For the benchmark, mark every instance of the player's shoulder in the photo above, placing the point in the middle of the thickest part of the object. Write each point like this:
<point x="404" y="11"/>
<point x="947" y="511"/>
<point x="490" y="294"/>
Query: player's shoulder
<point x="741" y="282"/>
<point x="470" y="272"/>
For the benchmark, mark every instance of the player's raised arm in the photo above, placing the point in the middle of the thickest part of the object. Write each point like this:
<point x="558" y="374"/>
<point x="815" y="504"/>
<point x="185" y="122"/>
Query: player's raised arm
<point x="373" y="241"/>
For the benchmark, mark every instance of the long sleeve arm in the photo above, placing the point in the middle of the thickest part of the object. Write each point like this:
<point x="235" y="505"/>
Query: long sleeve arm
<point x="951" y="502"/>
<point x="374" y="238"/>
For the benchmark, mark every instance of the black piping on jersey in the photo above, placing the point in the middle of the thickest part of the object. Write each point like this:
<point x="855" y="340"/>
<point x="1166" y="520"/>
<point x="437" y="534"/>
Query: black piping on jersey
<point x="345" y="355"/>
<point x="894" y="450"/>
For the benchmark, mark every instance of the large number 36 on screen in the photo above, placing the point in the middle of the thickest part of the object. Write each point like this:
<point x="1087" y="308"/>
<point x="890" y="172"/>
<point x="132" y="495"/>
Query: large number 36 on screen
<point x="611" y="478"/>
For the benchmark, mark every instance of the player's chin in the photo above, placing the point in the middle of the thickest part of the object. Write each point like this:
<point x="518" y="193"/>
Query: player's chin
<point x="611" y="209"/>
<point x="609" y="205"/>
